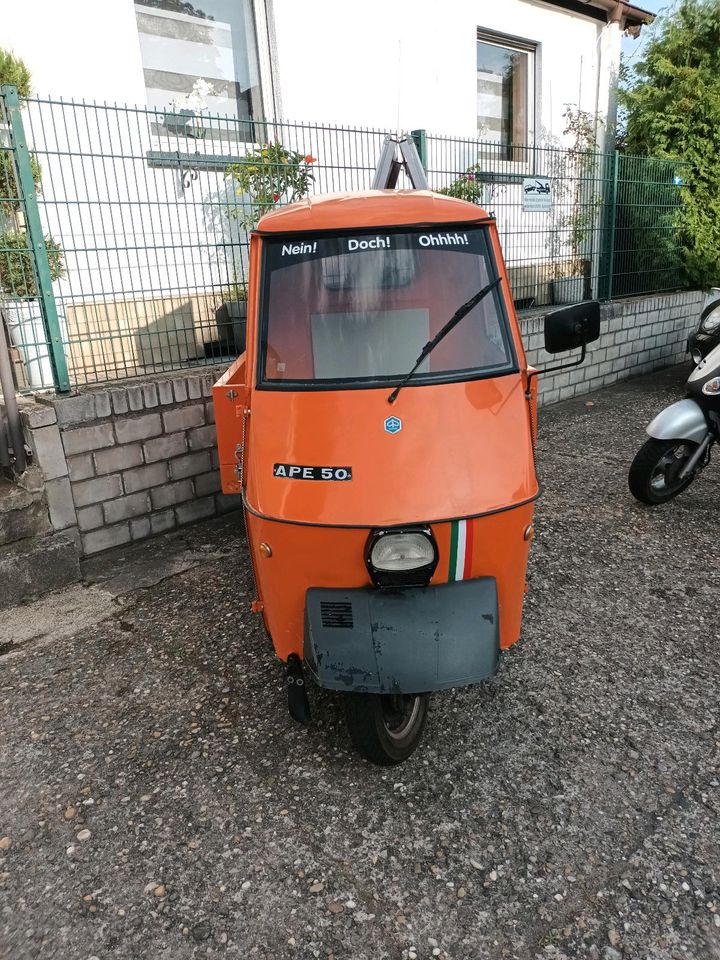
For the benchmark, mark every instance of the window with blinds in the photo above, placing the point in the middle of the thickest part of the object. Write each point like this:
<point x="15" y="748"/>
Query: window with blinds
<point x="505" y="94"/>
<point x="200" y="59"/>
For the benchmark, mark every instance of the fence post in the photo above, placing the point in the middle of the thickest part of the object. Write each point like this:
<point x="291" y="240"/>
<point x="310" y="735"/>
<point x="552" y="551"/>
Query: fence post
<point x="420" y="139"/>
<point x="613" y="221"/>
<point x="36" y="240"/>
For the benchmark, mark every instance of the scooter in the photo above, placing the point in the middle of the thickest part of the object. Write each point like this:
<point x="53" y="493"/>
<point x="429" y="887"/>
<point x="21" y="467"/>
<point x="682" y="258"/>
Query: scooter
<point x="681" y="438"/>
<point x="381" y="427"/>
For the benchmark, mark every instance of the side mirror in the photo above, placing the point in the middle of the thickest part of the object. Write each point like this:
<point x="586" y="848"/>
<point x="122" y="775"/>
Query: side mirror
<point x="572" y="327"/>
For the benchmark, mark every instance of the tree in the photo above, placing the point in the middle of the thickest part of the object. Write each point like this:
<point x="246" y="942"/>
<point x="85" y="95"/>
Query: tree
<point x="672" y="110"/>
<point x="13" y="70"/>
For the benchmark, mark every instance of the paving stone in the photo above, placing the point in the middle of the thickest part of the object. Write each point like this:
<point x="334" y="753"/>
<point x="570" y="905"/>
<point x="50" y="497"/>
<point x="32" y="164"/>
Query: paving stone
<point x="136" y="401"/>
<point x="87" y="439"/>
<point x="165" y="392"/>
<point x="190" y="465"/>
<point x="118" y="458"/>
<point x="165" y="447"/>
<point x="195" y="510"/>
<point x="163" y="521"/>
<point x="141" y="478"/>
<point x="78" y="409"/>
<point x="150" y="394"/>
<point x="97" y="490"/>
<point x="81" y="467"/>
<point x="130" y="429"/>
<point x="49" y="452"/>
<point x="36" y="415"/>
<point x="60" y="503"/>
<point x="171" y="493"/>
<point x="201" y="438"/>
<point x="105" y="538"/>
<point x="119" y="401"/>
<point x="140" y="528"/>
<point x="180" y="390"/>
<point x="126" y="507"/>
<point x="89" y="518"/>
<point x="207" y="483"/>
<point x="183" y="418"/>
<point x="103" y="406"/>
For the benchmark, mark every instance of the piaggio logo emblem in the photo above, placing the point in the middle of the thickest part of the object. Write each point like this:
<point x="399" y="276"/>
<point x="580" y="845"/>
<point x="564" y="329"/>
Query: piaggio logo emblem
<point x="393" y="425"/>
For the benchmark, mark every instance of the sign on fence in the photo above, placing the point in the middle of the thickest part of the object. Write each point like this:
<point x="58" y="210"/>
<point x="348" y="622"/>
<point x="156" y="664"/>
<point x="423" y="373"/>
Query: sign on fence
<point x="537" y="194"/>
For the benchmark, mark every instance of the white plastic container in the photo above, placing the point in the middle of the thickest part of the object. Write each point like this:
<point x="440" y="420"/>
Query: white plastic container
<point x="27" y="333"/>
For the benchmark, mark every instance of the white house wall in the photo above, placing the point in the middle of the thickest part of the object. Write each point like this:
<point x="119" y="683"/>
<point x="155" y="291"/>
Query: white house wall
<point x="409" y="64"/>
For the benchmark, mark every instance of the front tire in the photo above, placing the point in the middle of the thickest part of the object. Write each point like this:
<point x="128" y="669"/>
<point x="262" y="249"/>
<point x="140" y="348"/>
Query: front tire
<point x="654" y="475"/>
<point x="386" y="728"/>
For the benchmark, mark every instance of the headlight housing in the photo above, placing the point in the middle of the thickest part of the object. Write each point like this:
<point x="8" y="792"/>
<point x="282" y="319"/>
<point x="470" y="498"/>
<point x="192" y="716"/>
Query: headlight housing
<point x="711" y="388"/>
<point x="401" y="557"/>
<point x="711" y="322"/>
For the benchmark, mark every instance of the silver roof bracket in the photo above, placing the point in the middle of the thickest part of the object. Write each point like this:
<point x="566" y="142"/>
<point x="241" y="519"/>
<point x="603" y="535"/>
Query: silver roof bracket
<point x="389" y="166"/>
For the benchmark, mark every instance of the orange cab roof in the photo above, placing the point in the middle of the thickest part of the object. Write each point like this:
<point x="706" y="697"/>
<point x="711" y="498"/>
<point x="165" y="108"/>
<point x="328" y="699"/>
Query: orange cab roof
<point x="369" y="208"/>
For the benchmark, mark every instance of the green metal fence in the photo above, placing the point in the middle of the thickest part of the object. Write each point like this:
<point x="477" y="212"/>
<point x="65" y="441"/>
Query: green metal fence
<point x="575" y="224"/>
<point x="124" y="236"/>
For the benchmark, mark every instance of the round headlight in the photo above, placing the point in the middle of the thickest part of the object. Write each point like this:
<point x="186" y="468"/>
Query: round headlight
<point x="396" y="552"/>
<point x="711" y="322"/>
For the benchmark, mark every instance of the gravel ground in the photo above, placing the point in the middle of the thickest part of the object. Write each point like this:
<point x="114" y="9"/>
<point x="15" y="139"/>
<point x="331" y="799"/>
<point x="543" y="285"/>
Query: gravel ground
<point x="156" y="800"/>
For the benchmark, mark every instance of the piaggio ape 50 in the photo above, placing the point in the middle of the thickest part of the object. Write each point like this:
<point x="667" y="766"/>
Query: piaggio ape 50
<point x="380" y="427"/>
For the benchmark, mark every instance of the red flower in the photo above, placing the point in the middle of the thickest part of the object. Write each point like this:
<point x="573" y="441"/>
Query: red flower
<point x="309" y="158"/>
<point x="276" y="197"/>
<point x="471" y="176"/>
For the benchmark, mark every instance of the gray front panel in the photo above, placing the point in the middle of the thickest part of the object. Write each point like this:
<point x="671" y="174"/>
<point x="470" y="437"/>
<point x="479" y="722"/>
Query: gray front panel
<point x="402" y="641"/>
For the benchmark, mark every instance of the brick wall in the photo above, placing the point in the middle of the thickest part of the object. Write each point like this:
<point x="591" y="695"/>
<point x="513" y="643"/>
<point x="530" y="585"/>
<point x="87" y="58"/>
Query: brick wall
<point x="123" y="462"/>
<point x="636" y="336"/>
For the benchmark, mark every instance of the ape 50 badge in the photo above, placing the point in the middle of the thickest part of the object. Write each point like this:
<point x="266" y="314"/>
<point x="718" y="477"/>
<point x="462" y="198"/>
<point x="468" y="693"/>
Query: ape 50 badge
<point x="294" y="471"/>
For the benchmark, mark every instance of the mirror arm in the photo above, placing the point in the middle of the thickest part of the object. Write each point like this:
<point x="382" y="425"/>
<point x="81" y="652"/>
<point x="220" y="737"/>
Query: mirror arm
<point x="559" y="366"/>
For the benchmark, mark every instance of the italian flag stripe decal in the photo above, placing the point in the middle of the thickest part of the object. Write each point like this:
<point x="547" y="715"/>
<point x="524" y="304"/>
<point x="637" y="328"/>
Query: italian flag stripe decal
<point x="461" y="544"/>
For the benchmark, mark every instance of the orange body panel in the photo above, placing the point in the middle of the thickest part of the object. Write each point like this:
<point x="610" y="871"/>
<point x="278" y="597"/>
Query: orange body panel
<point x="465" y="452"/>
<point x="333" y="557"/>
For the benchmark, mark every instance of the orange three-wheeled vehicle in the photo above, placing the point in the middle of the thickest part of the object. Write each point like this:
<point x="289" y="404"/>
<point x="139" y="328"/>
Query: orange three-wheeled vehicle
<point x="380" y="427"/>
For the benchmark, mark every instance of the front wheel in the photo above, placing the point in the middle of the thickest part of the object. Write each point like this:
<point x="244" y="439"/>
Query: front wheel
<point x="386" y="728"/>
<point x="655" y="472"/>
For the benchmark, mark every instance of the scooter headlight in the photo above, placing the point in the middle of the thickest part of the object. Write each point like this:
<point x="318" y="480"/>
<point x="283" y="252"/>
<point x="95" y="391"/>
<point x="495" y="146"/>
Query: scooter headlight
<point x="711" y="322"/>
<point x="401" y="557"/>
<point x="712" y="387"/>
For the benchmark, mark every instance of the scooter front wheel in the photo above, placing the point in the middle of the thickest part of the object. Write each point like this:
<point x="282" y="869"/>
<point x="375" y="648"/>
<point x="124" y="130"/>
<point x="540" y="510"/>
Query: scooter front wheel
<point x="655" y="472"/>
<point x="386" y="728"/>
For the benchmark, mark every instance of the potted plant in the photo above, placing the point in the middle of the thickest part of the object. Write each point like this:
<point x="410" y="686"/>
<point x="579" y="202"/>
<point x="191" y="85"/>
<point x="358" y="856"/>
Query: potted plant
<point x="468" y="186"/>
<point x="577" y="201"/>
<point x="22" y="309"/>
<point x="231" y="317"/>
<point x="268" y="176"/>
<point x="182" y="120"/>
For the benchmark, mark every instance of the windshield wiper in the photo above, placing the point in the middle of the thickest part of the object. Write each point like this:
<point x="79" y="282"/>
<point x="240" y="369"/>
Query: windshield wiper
<point x="442" y="333"/>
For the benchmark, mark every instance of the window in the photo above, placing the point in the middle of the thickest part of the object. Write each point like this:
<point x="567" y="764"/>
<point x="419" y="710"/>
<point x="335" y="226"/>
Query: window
<point x="200" y="59"/>
<point x="505" y="92"/>
<point x="356" y="310"/>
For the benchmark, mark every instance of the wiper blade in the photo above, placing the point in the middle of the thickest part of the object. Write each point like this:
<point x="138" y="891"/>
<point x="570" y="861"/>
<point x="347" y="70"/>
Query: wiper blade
<point x="444" y="331"/>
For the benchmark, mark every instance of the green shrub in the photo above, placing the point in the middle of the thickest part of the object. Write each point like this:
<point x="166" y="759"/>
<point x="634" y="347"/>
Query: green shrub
<point x="269" y="175"/>
<point x="9" y="188"/>
<point x="468" y="186"/>
<point x="13" y="70"/>
<point x="16" y="268"/>
<point x="672" y="110"/>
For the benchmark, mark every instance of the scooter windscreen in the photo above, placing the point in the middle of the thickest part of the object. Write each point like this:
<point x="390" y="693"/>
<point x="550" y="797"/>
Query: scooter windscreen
<point x="357" y="309"/>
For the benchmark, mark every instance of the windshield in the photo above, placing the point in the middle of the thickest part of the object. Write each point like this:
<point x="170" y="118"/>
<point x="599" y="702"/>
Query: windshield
<point x="357" y="309"/>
